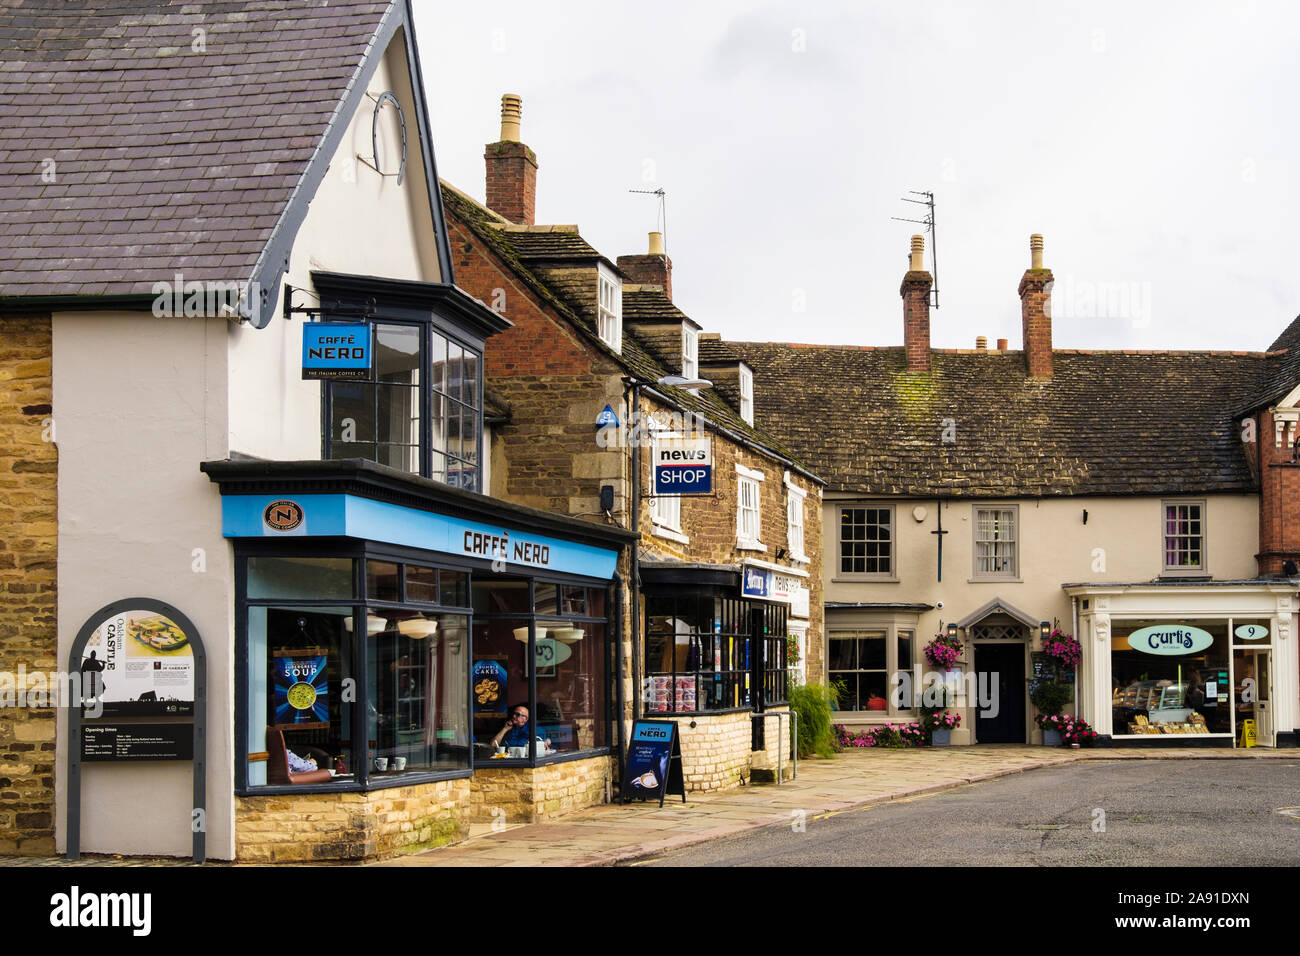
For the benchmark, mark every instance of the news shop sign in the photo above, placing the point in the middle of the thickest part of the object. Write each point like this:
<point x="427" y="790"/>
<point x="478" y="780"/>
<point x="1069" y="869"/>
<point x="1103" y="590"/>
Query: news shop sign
<point x="683" y="466"/>
<point x="331" y="350"/>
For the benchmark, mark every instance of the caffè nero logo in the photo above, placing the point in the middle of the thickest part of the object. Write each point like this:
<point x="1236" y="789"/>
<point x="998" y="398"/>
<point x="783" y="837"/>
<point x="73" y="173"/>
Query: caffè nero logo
<point x="282" y="515"/>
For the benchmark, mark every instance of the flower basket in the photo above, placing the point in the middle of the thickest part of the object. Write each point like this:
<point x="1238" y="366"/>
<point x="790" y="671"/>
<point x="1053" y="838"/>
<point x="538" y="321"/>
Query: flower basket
<point x="943" y="652"/>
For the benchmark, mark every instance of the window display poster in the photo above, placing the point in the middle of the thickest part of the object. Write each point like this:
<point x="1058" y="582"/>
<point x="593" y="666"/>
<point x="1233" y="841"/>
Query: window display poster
<point x="489" y="680"/>
<point x="654" y="762"/>
<point x="138" y="664"/>
<point x="300" y="687"/>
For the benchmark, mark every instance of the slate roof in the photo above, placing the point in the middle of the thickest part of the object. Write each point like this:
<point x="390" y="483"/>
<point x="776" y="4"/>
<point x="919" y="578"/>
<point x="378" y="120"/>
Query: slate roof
<point x="1282" y="370"/>
<point x="164" y="159"/>
<point x="1106" y="423"/>
<point x="635" y="357"/>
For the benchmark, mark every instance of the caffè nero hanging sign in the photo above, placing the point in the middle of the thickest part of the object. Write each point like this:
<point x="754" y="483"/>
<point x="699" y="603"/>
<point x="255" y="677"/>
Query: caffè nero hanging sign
<point x="1170" y="640"/>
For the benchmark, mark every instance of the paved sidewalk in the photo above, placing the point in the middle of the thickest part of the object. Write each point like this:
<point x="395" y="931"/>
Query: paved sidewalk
<point x="609" y="834"/>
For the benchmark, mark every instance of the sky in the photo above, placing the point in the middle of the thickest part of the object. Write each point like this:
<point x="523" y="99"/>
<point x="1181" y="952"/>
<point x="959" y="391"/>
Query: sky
<point x="1154" y="146"/>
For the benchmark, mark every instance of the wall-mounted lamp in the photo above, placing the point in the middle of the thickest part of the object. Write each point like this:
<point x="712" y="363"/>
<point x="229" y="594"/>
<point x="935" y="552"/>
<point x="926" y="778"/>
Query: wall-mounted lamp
<point x="952" y="630"/>
<point x="1044" y="630"/>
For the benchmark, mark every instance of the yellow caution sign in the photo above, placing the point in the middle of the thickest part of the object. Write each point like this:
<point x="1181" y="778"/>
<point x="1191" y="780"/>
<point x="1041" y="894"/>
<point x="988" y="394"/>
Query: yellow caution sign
<point x="1247" y="733"/>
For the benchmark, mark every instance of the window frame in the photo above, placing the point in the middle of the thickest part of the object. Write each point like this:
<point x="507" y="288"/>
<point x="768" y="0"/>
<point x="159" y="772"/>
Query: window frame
<point x="1016" y="542"/>
<point x="751" y="479"/>
<point x="893" y="629"/>
<point x="841" y="574"/>
<point x="609" y="318"/>
<point x="796" y="499"/>
<point x="428" y="325"/>
<point x="746" y="394"/>
<point x="690" y="352"/>
<point x="1183" y="570"/>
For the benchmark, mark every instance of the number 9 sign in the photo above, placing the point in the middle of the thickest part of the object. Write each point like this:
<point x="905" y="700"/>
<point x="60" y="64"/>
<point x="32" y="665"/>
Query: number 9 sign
<point x="1251" y="632"/>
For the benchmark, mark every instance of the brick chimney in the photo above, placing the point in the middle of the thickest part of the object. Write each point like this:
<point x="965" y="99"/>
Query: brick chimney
<point x="915" y="291"/>
<point x="511" y="169"/>
<point x="1036" y="311"/>
<point x="654" y="268"/>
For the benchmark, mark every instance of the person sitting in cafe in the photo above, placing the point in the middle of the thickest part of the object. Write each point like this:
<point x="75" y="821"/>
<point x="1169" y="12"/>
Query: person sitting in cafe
<point x="518" y="730"/>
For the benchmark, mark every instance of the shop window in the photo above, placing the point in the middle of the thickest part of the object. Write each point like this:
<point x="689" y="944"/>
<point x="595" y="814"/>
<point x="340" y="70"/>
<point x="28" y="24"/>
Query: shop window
<point x="420" y="410"/>
<point x="1184" y="534"/>
<point x="665" y="510"/>
<point x="1154" y="691"/>
<point x="539" y="670"/>
<point x="866" y="541"/>
<point x="996" y="543"/>
<point x="698" y="653"/>
<point x="309" y="719"/>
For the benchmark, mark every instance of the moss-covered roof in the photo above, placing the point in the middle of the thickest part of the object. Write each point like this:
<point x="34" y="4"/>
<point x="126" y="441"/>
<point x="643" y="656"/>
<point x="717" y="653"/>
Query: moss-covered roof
<point x="635" y="358"/>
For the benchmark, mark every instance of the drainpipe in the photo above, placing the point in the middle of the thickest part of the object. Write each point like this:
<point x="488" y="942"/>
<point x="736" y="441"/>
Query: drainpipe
<point x="618" y="669"/>
<point x="634" y="582"/>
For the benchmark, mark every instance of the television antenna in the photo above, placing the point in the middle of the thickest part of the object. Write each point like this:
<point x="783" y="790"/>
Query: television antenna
<point x="662" y="220"/>
<point x="928" y="222"/>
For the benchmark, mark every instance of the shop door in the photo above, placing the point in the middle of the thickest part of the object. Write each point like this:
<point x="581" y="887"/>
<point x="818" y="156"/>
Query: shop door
<point x="1252" y="673"/>
<point x="1001" y="669"/>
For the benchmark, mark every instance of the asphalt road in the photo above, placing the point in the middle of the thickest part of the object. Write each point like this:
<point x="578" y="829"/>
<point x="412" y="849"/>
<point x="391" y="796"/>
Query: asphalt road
<point x="1154" y="813"/>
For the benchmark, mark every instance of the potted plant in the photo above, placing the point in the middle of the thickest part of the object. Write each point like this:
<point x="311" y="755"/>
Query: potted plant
<point x="1077" y="733"/>
<point x="940" y="726"/>
<point x="1063" y="649"/>
<point x="943" y="652"/>
<point x="1049" y="699"/>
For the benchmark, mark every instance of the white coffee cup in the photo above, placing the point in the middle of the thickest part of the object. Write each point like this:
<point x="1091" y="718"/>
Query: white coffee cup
<point x="399" y="763"/>
<point x="518" y="751"/>
<point x="381" y="763"/>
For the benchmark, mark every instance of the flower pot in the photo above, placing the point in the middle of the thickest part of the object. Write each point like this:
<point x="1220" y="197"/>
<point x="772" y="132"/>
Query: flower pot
<point x="1051" y="738"/>
<point x="941" y="738"/>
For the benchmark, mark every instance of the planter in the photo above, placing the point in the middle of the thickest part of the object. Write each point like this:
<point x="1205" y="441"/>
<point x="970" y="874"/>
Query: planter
<point x="1051" y="738"/>
<point x="941" y="738"/>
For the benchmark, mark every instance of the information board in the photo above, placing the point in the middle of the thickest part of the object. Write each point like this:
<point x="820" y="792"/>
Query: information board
<point x="654" y="762"/>
<point x="100" y="742"/>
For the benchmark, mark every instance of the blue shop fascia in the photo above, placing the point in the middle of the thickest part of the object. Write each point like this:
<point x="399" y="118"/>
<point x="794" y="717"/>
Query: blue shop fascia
<point x="389" y="628"/>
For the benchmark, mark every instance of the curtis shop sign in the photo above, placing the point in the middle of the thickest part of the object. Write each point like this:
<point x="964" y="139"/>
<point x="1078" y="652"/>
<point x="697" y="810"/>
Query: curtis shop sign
<point x="1170" y="639"/>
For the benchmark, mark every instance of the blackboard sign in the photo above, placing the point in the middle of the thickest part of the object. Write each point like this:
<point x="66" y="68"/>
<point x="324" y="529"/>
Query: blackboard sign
<point x="654" y="762"/>
<point x="1044" y="666"/>
<point x="137" y="742"/>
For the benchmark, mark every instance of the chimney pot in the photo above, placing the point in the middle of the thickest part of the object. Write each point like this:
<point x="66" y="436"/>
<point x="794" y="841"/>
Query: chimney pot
<point x="917" y="262"/>
<point x="981" y="343"/>
<point x="1002" y="345"/>
<point x="1036" y="251"/>
<point x="915" y="291"/>
<point x="656" y="244"/>
<point x="511" y="110"/>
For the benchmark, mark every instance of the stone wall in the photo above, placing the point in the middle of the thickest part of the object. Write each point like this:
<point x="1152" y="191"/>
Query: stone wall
<point x="715" y="752"/>
<point x="28" y="553"/>
<point x="532" y="794"/>
<point x="350" y="826"/>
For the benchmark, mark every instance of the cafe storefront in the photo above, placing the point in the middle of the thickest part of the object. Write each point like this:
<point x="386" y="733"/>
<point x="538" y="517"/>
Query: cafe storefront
<point x="387" y="627"/>
<point x="1189" y="664"/>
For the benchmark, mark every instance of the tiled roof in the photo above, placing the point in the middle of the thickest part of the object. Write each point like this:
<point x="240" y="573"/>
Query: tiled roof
<point x="649" y="304"/>
<point x="635" y="358"/>
<point x="126" y="155"/>
<point x="553" y="243"/>
<point x="978" y="426"/>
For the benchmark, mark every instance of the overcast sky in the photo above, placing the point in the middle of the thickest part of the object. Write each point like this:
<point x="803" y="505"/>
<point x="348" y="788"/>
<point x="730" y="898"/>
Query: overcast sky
<point x="1154" y="145"/>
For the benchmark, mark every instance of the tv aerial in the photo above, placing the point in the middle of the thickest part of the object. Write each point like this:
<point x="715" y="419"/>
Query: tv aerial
<point x="928" y="222"/>
<point x="662" y="220"/>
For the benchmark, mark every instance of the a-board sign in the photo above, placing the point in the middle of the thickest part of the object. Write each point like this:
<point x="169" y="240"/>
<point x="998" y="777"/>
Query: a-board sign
<point x="100" y="742"/>
<point x="654" y="762"/>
